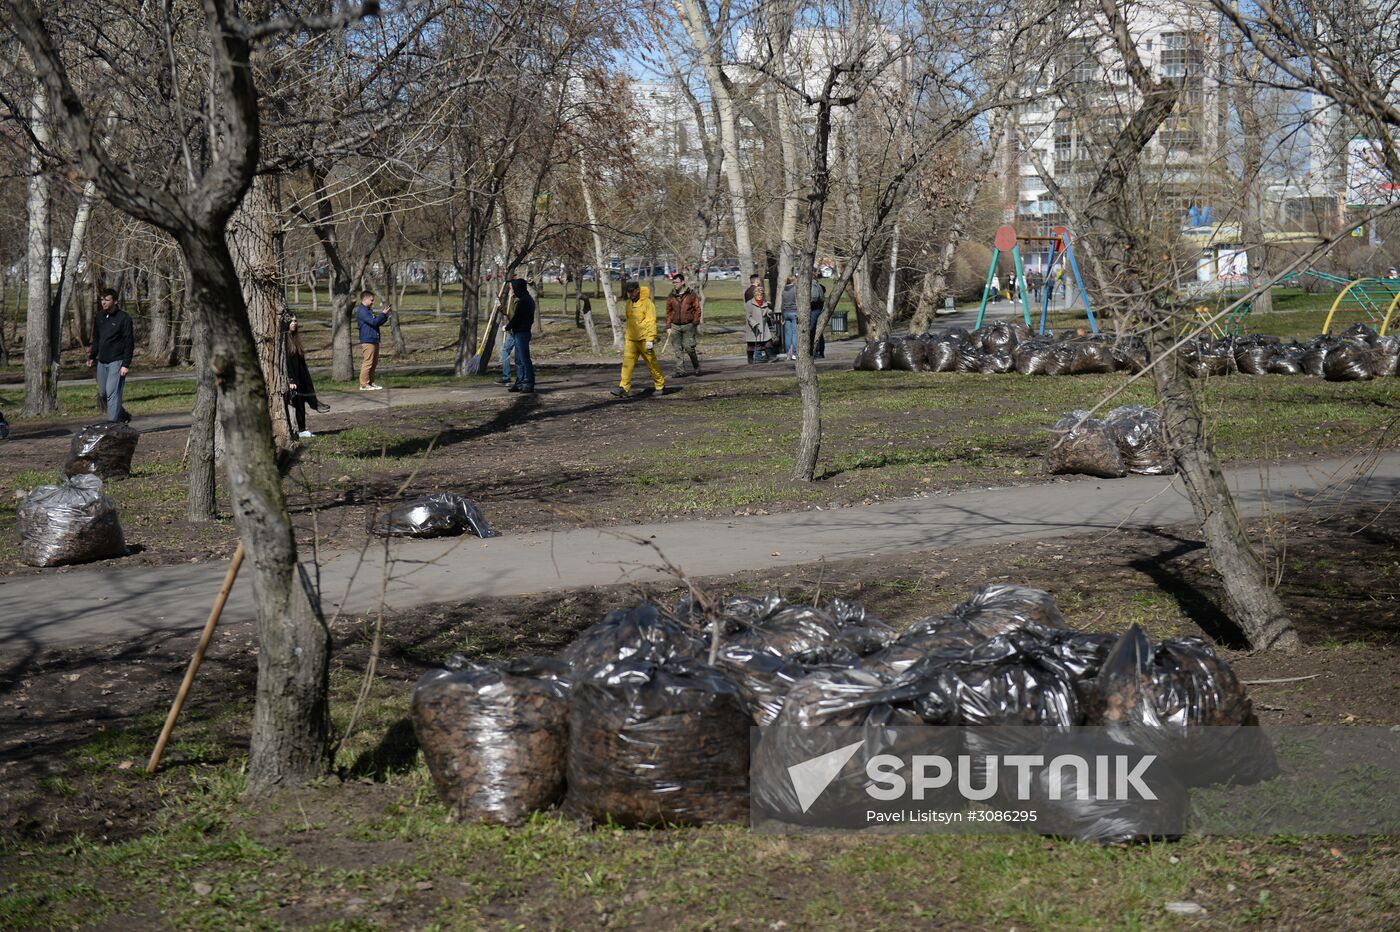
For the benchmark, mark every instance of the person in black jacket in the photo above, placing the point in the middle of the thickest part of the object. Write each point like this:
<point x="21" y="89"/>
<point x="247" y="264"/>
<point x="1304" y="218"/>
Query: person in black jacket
<point x="301" y="392"/>
<point x="520" y="323"/>
<point x="113" y="345"/>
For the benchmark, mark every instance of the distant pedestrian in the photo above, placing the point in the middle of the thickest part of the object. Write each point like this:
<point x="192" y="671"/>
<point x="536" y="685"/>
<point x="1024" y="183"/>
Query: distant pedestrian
<point x="582" y="308"/>
<point x="790" y="317"/>
<point x="641" y="340"/>
<point x="521" y="320"/>
<point x="113" y="345"/>
<point x="756" y="319"/>
<point x="755" y="284"/>
<point x="684" y="315"/>
<point x="1011" y="286"/>
<point x="1036" y="282"/>
<point x="370" y="322"/>
<point x="301" y="391"/>
<point x="996" y="288"/>
<point x="818" y="304"/>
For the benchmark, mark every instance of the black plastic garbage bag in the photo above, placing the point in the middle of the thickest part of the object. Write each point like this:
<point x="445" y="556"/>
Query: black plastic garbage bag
<point x="495" y="737"/>
<point x="1092" y="357"/>
<point x="69" y="523"/>
<point x="1069" y="804"/>
<point x="906" y="355"/>
<point x="763" y="679"/>
<point x="1350" y="362"/>
<point x="639" y="633"/>
<point x="875" y="356"/>
<point x="924" y="639"/>
<point x="1085" y="448"/>
<point x="996" y="363"/>
<point x="1007" y="680"/>
<point x="1141" y="439"/>
<point x="1359" y="334"/>
<point x="1130" y="354"/>
<point x="823" y="712"/>
<point x="103" y="450"/>
<point x="1315" y="355"/>
<point x="1179" y="700"/>
<point x="942" y="356"/>
<point x="970" y="359"/>
<point x="1387" y="358"/>
<point x="438" y="514"/>
<point x="1060" y="361"/>
<point x="1254" y="358"/>
<point x="1001" y="336"/>
<point x="658" y="745"/>
<point x="1287" y="360"/>
<point x="1000" y="608"/>
<point x="1032" y="356"/>
<point x="1205" y="359"/>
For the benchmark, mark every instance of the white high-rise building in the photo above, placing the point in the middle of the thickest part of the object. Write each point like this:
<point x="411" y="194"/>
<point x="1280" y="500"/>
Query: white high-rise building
<point x="1086" y="97"/>
<point x="667" y="135"/>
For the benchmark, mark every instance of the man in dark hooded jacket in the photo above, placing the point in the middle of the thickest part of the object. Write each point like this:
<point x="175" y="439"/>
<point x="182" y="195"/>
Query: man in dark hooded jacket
<point x="520" y="323"/>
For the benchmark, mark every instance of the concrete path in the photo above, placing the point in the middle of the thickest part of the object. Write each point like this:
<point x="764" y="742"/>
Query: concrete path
<point x="93" y="605"/>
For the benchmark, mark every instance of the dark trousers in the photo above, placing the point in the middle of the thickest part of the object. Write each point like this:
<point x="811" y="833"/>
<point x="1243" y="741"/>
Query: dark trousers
<point x="524" y="365"/>
<point x="818" y="342"/>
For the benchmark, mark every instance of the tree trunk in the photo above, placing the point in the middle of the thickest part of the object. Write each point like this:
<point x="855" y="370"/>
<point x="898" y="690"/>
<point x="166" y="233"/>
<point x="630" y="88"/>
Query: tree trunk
<point x="468" y="328"/>
<point x="708" y="47"/>
<point x="871" y="320"/>
<point x="1119" y="242"/>
<point x="4" y="297"/>
<point x="1251" y="603"/>
<point x="251" y="232"/>
<point x="601" y="273"/>
<point x="437" y="289"/>
<point x="68" y="278"/>
<point x="893" y="274"/>
<point x="391" y="285"/>
<point x="587" y="318"/>
<point x="291" y="722"/>
<point x="1252" y="208"/>
<point x="201" y="507"/>
<point x="40" y="385"/>
<point x="159" y="343"/>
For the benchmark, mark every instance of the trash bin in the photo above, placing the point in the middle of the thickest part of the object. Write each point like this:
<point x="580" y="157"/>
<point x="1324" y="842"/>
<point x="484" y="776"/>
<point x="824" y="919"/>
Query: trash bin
<point x="838" y="321"/>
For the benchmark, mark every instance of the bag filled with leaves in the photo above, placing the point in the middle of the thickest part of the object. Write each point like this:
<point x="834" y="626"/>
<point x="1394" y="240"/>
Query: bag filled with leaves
<point x="1179" y="700"/>
<point x="657" y="744"/>
<point x="102" y="450"/>
<point x="875" y="356"/>
<point x="495" y="737"/>
<point x="69" y="523"/>
<point x="641" y="633"/>
<point x="1141" y="439"/>
<point x="438" y="514"/>
<point x="1085" y="448"/>
<point x="906" y="355"/>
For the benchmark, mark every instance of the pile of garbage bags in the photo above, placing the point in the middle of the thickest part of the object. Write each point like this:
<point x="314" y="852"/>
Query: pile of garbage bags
<point x="1356" y="354"/>
<point x="103" y="450"/>
<point x="69" y="523"/>
<point x="438" y="514"/>
<point x="1129" y="440"/>
<point x="644" y="718"/>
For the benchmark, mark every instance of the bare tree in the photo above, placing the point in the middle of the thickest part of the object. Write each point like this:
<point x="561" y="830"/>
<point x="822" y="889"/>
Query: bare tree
<point x="291" y="723"/>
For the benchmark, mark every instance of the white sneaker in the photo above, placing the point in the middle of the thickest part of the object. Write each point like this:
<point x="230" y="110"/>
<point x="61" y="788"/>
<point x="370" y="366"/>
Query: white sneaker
<point x="375" y="388"/>
<point x="306" y="433"/>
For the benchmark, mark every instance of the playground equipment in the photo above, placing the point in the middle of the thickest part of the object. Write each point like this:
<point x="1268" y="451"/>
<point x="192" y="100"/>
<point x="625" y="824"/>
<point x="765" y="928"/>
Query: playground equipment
<point x="1376" y="298"/>
<point x="1061" y="251"/>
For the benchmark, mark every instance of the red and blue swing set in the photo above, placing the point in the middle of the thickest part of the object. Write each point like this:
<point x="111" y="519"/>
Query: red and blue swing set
<point x="1061" y="253"/>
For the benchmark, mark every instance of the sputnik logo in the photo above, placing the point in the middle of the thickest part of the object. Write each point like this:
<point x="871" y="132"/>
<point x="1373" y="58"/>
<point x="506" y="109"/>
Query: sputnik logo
<point x="811" y="777"/>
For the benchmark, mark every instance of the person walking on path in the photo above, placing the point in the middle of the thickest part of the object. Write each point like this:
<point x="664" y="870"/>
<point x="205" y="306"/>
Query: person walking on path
<point x="790" y="317"/>
<point x="113" y="345"/>
<point x="521" y="320"/>
<point x="641" y="340"/>
<point x="818" y="301"/>
<point x="756" y="319"/>
<point x="301" y="391"/>
<point x="684" y="314"/>
<point x="369" y="322"/>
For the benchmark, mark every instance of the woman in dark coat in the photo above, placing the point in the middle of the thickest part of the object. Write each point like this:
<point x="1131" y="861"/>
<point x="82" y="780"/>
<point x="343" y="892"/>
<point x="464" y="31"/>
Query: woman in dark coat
<point x="300" y="390"/>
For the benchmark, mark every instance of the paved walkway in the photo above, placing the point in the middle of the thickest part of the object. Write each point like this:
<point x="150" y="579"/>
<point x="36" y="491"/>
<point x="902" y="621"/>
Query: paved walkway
<point x="93" y="605"/>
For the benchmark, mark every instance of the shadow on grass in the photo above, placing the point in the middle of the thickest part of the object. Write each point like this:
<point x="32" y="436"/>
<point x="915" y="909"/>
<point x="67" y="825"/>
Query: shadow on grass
<point x="396" y="753"/>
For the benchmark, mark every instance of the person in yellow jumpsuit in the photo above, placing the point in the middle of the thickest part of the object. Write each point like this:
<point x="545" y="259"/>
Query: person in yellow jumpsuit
<point x="641" y="340"/>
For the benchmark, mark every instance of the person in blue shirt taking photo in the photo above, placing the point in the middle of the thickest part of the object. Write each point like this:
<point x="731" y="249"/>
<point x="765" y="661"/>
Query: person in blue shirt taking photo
<point x="369" y="322"/>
